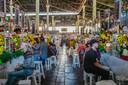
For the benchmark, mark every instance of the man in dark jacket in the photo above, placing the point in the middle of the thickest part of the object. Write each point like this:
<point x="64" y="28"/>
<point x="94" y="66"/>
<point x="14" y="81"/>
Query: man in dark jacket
<point x="92" y="64"/>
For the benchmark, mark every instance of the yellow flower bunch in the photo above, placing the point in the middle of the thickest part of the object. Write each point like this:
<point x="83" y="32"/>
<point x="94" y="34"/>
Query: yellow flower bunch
<point x="1" y="49"/>
<point x="1" y="39"/>
<point x="32" y="40"/>
<point x="121" y="39"/>
<point x="25" y="39"/>
<point x="16" y="40"/>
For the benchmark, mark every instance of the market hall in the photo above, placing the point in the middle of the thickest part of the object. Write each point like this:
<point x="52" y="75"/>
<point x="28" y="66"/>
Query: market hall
<point x="63" y="42"/>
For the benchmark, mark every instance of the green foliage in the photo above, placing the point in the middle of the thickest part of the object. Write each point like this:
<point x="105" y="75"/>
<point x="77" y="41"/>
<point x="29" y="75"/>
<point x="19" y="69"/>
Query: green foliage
<point x="7" y="19"/>
<point x="1" y="62"/>
<point x="6" y="56"/>
<point x="18" y="53"/>
<point x="101" y="47"/>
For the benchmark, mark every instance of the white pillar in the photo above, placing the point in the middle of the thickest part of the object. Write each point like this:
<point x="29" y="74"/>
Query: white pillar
<point x="53" y="23"/>
<point x="5" y="25"/>
<point x="11" y="17"/>
<point x="47" y="8"/>
<point x="11" y="8"/>
<point x="99" y="17"/>
<point x="37" y="14"/>
<point x="94" y="10"/>
<point x="83" y="15"/>
<point x="77" y="24"/>
<point x="120" y="9"/>
<point x="83" y="19"/>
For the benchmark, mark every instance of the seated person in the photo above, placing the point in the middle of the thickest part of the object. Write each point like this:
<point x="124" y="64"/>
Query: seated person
<point x="117" y="65"/>
<point x="22" y="71"/>
<point x="36" y="50"/>
<point x="52" y="51"/>
<point x="92" y="64"/>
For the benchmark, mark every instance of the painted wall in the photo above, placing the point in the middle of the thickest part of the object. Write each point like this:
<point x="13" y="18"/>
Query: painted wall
<point x="69" y="28"/>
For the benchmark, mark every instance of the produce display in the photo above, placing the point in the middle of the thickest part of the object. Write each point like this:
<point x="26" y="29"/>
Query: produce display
<point x="6" y="55"/>
<point x="31" y="38"/>
<point x="1" y="44"/>
<point x="122" y="39"/>
<point x="16" y="39"/>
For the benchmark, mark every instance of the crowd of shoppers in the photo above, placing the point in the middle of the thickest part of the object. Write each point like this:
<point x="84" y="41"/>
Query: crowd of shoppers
<point x="94" y="61"/>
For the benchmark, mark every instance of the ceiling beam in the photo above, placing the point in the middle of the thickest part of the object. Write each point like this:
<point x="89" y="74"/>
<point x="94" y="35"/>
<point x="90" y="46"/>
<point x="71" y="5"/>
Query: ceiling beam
<point x="111" y="6"/>
<point x="81" y="7"/>
<point x="98" y="8"/>
<point x="59" y="8"/>
<point x="50" y="14"/>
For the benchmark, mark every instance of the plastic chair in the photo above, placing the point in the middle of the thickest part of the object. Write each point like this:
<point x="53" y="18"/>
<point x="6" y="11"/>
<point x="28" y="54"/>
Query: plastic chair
<point x="24" y="82"/>
<point x="112" y="75"/>
<point x="53" y="60"/>
<point x="39" y="68"/>
<point x="3" y="81"/>
<point x="91" y="76"/>
<point x="34" y="78"/>
<point x="76" y="61"/>
<point x="48" y="64"/>
<point x="38" y="72"/>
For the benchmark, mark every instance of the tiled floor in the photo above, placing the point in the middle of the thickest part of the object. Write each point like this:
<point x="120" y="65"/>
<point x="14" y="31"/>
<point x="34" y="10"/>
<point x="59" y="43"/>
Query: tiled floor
<point x="64" y="73"/>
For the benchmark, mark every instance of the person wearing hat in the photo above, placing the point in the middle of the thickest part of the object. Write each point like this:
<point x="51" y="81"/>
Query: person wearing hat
<point x="92" y="64"/>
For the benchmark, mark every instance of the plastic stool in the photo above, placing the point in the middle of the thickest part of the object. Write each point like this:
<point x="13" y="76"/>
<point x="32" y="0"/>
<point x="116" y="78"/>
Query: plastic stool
<point x="24" y="82"/>
<point x="90" y="78"/>
<point x="3" y="81"/>
<point x="106" y="82"/>
<point x="121" y="79"/>
<point x="53" y="60"/>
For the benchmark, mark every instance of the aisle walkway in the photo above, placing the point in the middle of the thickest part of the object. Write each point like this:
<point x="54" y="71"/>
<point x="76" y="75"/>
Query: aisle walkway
<point x="64" y="73"/>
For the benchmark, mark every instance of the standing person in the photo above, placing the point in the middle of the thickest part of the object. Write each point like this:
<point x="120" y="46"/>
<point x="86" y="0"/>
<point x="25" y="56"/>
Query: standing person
<point x="43" y="47"/>
<point x="81" y="51"/>
<point x="92" y="64"/>
<point x="36" y="50"/>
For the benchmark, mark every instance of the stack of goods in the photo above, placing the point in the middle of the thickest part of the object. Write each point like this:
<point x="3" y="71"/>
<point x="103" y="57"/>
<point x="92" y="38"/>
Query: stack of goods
<point x="1" y="47"/>
<point x="16" y="40"/>
<point x="6" y="54"/>
<point x="104" y="37"/>
<point x="31" y="38"/>
<point x="123" y="44"/>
